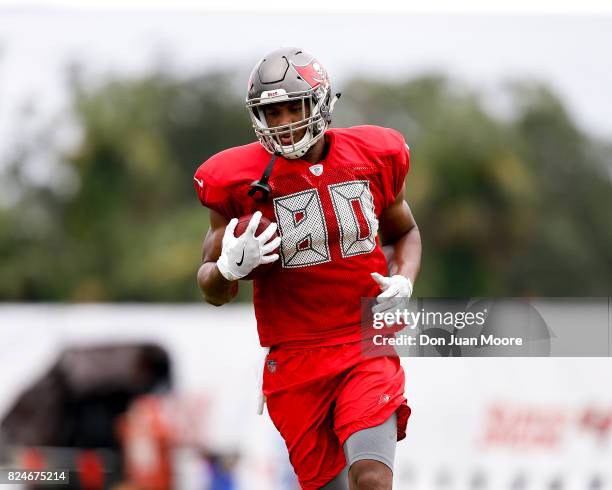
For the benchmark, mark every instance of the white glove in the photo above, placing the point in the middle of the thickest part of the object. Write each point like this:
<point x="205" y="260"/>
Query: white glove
<point x="396" y="291"/>
<point x="241" y="255"/>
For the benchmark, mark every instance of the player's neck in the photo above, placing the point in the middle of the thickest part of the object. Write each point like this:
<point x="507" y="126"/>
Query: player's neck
<point x="317" y="152"/>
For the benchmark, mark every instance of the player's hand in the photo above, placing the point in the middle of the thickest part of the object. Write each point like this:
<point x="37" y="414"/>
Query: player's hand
<point x="396" y="292"/>
<point x="241" y="255"/>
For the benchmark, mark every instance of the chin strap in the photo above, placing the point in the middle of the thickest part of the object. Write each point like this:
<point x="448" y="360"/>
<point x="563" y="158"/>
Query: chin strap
<point x="328" y="113"/>
<point x="333" y="102"/>
<point x="261" y="186"/>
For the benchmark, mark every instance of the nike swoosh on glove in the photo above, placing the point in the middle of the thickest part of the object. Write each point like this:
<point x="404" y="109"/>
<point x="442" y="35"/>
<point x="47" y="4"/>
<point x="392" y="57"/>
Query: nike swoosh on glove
<point x="396" y="292"/>
<point x="241" y="255"/>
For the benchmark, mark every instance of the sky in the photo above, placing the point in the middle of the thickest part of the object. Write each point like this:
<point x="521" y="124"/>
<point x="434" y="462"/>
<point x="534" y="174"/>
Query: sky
<point x="566" y="46"/>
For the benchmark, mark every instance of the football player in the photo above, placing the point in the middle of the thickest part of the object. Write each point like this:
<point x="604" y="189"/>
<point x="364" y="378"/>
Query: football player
<point x="335" y="196"/>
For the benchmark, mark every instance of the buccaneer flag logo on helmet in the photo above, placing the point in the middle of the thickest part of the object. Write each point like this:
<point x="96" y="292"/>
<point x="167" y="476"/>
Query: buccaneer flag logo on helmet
<point x="290" y="74"/>
<point x="313" y="73"/>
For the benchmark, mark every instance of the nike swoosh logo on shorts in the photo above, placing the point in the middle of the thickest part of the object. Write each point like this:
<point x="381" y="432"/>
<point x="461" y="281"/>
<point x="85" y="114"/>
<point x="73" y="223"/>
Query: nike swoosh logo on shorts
<point x="241" y="259"/>
<point x="200" y="182"/>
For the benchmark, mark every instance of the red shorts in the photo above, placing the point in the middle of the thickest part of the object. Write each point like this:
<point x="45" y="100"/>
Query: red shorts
<point x="318" y="397"/>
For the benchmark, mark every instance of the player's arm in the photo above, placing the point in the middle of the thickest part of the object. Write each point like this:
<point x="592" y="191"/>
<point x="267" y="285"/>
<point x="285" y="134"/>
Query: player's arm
<point x="398" y="228"/>
<point x="217" y="290"/>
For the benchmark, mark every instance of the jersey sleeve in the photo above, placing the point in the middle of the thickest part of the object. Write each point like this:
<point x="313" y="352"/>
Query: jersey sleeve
<point x="401" y="167"/>
<point x="212" y="194"/>
<point x="398" y="165"/>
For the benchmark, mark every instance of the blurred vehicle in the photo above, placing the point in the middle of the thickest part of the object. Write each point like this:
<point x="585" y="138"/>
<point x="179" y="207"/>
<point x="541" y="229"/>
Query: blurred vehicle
<point x="68" y="419"/>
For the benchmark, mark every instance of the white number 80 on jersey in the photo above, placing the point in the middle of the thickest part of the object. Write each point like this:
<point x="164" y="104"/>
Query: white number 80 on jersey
<point x="302" y="225"/>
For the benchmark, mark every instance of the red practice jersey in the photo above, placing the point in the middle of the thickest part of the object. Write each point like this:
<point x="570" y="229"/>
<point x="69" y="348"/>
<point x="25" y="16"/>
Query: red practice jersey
<point x="327" y="216"/>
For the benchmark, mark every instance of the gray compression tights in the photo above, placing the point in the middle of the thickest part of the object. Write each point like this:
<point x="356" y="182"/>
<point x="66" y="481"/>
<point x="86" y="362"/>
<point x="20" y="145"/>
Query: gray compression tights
<point x="376" y="443"/>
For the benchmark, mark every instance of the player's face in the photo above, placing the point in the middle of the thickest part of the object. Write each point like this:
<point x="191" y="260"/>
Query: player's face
<point x="286" y="113"/>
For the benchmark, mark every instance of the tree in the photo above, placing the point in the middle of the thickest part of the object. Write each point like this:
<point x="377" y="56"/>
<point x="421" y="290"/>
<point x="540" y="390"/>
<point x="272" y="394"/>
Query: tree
<point x="506" y="206"/>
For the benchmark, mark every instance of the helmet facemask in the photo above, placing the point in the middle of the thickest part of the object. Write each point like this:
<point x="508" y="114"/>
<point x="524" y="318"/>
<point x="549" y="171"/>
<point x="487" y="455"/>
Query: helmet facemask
<point x="285" y="75"/>
<point x="315" y="119"/>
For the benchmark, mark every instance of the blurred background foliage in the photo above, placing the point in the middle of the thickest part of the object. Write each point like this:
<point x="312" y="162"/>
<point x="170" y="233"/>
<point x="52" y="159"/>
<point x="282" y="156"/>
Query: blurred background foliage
<point x="514" y="203"/>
